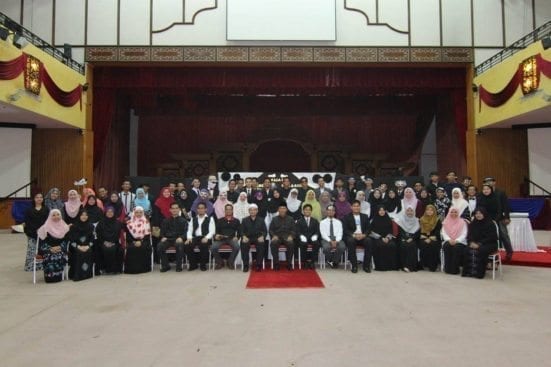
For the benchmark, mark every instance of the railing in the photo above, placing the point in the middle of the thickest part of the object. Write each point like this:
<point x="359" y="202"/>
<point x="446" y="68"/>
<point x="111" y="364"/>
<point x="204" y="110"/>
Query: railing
<point x="534" y="36"/>
<point x="24" y="187"/>
<point x="22" y="32"/>
<point x="532" y="187"/>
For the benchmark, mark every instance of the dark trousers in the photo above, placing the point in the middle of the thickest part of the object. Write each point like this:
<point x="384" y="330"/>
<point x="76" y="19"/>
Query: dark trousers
<point x="163" y="256"/>
<point x="260" y="251"/>
<point x="290" y="245"/>
<point x="367" y="244"/>
<point x="430" y="254"/>
<point x="202" y="256"/>
<point x="504" y="237"/>
<point x="453" y="257"/>
<point x="306" y="255"/>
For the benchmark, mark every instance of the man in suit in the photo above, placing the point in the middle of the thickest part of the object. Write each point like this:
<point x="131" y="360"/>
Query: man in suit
<point x="321" y="188"/>
<point x="504" y="217"/>
<point x="253" y="230"/>
<point x="308" y="233"/>
<point x="283" y="233"/>
<point x="127" y="197"/>
<point x="356" y="230"/>
<point x="193" y="193"/>
<point x="228" y="231"/>
<point x="173" y="233"/>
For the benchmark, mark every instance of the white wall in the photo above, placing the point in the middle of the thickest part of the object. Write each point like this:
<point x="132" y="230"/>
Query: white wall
<point x="15" y="159"/>
<point x="447" y="23"/>
<point x="539" y="157"/>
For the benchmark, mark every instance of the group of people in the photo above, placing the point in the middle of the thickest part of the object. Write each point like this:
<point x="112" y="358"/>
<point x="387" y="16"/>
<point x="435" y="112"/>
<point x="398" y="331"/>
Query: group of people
<point x="399" y="228"/>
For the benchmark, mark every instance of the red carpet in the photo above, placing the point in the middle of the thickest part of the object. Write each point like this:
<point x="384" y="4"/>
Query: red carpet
<point x="284" y="279"/>
<point x="539" y="259"/>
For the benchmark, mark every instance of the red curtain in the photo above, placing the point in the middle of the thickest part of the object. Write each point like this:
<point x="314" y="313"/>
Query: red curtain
<point x="460" y="114"/>
<point x="104" y="105"/>
<point x="499" y="98"/>
<point x="66" y="99"/>
<point x="543" y="65"/>
<point x="13" y="68"/>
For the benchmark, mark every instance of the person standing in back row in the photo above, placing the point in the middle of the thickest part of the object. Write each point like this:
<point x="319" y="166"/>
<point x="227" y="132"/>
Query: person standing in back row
<point x="503" y="218"/>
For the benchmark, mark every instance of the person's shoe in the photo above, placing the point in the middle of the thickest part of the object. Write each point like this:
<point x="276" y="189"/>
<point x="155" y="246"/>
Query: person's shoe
<point x="312" y="265"/>
<point x="367" y="269"/>
<point x="290" y="267"/>
<point x="164" y="270"/>
<point x="335" y="265"/>
<point x="203" y="267"/>
<point x="192" y="267"/>
<point x="509" y="256"/>
<point x="405" y="269"/>
<point x="230" y="266"/>
<point x="219" y="266"/>
<point x="259" y="268"/>
<point x="276" y="267"/>
<point x="354" y="269"/>
<point x="245" y="268"/>
<point x="178" y="269"/>
<point x="330" y="263"/>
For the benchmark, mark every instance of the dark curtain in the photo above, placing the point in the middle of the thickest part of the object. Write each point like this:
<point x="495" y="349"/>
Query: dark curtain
<point x="13" y="68"/>
<point x="66" y="99"/>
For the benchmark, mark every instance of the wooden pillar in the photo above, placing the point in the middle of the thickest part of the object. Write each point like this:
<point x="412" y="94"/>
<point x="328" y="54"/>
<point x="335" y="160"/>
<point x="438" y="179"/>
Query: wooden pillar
<point x="88" y="132"/>
<point x="471" y="138"/>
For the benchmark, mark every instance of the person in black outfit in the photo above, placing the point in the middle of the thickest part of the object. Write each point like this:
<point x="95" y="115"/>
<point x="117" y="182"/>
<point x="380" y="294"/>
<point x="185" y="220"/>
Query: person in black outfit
<point x="173" y="233"/>
<point x="356" y="231"/>
<point x="308" y="233"/>
<point x="253" y="231"/>
<point x="283" y="233"/>
<point x="503" y="217"/>
<point x="199" y="234"/>
<point x="481" y="242"/>
<point x="228" y="231"/>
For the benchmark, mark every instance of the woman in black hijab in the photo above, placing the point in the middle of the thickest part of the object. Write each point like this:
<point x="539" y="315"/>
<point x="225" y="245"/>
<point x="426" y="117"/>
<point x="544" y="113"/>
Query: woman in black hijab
<point x="392" y="203"/>
<point x="95" y="214"/>
<point x="481" y="242"/>
<point x="384" y="245"/>
<point x="489" y="200"/>
<point x="110" y="251"/>
<point x="35" y="217"/>
<point x="81" y="243"/>
<point x="116" y="202"/>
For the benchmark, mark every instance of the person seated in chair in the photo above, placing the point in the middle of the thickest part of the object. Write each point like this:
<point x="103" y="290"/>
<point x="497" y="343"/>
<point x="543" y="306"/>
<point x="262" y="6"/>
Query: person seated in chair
<point x="356" y="231"/>
<point x="228" y="231"/>
<point x="331" y="238"/>
<point x="253" y="231"/>
<point x="199" y="234"/>
<point x="482" y="240"/>
<point x="283" y="233"/>
<point x="308" y="233"/>
<point x="173" y="233"/>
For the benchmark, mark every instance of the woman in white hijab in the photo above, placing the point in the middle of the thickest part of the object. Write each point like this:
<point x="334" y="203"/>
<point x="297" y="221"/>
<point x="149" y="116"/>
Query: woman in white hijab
<point x="408" y="237"/>
<point x="241" y="207"/>
<point x="462" y="205"/>
<point x="294" y="204"/>
<point x="365" y="206"/>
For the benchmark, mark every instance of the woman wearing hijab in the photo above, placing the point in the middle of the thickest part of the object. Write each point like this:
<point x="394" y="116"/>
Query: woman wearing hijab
<point x="392" y="203"/>
<point x="441" y="203"/>
<point x="424" y="198"/>
<point x="410" y="200"/>
<point x="81" y="244"/>
<point x="161" y="209"/>
<point x="35" y="217"/>
<point x="241" y="207"/>
<point x="489" y="200"/>
<point x="202" y="198"/>
<point x="409" y="232"/>
<point x="481" y="242"/>
<point x="142" y="200"/>
<point x="454" y="240"/>
<point x="53" y="200"/>
<point x="110" y="251"/>
<point x="53" y="246"/>
<point x="325" y="200"/>
<point x="376" y="198"/>
<point x="86" y="193"/>
<point x="459" y="202"/>
<point x="365" y="207"/>
<point x="95" y="214"/>
<point x="116" y="202"/>
<point x="185" y="202"/>
<point x="72" y="207"/>
<point x="311" y="200"/>
<point x="138" y="243"/>
<point x="274" y="202"/>
<point x="342" y="206"/>
<point x="384" y="249"/>
<point x="294" y="205"/>
<point x="220" y="203"/>
<point x="429" y="240"/>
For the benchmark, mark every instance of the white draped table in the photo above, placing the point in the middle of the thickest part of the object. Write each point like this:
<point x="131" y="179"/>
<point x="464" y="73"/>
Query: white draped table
<point x="520" y="232"/>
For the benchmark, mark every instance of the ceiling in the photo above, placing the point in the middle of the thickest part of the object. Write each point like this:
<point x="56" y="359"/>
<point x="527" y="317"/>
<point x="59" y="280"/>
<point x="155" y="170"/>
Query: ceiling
<point x="540" y="116"/>
<point x="10" y="113"/>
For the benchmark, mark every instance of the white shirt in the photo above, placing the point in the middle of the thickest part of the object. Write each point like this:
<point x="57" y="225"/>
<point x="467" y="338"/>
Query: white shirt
<point x="127" y="199"/>
<point x="358" y="222"/>
<point x="472" y="204"/>
<point x="337" y="229"/>
<point x="198" y="233"/>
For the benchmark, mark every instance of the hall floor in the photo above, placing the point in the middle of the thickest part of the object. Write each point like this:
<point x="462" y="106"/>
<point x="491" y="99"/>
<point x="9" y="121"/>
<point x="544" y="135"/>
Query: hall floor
<point x="211" y="319"/>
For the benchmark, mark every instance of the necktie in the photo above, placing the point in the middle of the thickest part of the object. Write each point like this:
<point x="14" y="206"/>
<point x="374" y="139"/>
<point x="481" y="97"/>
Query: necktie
<point x="307" y="222"/>
<point x="126" y="202"/>
<point x="331" y="230"/>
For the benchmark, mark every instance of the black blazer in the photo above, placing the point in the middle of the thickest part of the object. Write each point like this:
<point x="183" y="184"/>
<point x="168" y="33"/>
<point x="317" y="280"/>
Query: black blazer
<point x="254" y="229"/>
<point x="349" y="224"/>
<point x="308" y="231"/>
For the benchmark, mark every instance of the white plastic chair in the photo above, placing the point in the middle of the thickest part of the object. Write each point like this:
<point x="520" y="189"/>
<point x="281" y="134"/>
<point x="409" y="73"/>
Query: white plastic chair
<point x="495" y="257"/>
